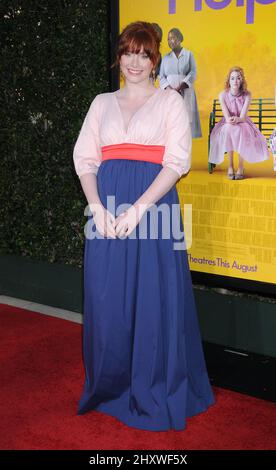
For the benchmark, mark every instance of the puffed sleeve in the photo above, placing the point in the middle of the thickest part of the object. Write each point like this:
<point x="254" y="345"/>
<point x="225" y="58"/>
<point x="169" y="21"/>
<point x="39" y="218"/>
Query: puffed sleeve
<point x="87" y="150"/>
<point x="178" y="141"/>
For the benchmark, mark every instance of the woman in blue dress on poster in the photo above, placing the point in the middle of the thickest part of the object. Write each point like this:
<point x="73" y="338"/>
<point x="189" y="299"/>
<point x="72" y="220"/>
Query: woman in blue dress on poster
<point x="142" y="350"/>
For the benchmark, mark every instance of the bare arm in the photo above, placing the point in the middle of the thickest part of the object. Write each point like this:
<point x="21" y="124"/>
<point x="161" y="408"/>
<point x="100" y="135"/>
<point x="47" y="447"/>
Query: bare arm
<point x="163" y="182"/>
<point x="103" y="219"/>
<point x="224" y="108"/>
<point x="90" y="188"/>
<point x="244" y="110"/>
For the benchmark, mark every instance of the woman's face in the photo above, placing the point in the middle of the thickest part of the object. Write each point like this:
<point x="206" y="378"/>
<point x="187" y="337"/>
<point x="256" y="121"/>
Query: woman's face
<point x="235" y="80"/>
<point x="173" y="41"/>
<point x="136" y="67"/>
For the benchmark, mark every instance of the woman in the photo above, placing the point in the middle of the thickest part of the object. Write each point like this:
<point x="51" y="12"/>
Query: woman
<point x="272" y="139"/>
<point x="142" y="349"/>
<point x="178" y="71"/>
<point x="236" y="131"/>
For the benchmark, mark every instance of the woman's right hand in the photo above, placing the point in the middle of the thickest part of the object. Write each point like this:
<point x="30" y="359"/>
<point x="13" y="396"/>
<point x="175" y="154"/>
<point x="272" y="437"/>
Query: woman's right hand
<point x="103" y="220"/>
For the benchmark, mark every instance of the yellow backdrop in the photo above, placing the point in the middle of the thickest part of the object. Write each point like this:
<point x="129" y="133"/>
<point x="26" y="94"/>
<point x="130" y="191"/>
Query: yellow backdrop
<point x="234" y="222"/>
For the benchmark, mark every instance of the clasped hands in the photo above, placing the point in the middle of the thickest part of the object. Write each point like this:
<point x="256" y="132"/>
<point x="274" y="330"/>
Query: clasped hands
<point x="182" y="87"/>
<point x="233" y="120"/>
<point x="116" y="227"/>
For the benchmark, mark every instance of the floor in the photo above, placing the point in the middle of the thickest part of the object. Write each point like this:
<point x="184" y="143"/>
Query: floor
<point x="40" y="308"/>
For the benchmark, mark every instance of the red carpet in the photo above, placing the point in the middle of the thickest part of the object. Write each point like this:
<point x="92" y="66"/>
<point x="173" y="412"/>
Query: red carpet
<point x="42" y="376"/>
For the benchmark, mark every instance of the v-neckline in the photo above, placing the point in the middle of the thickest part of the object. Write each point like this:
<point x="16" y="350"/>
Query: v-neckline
<point x="136" y="112"/>
<point x="179" y="55"/>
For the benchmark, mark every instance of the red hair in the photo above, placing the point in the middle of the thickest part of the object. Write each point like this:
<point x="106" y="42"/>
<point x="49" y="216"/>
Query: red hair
<point x="135" y="36"/>
<point x="243" y="86"/>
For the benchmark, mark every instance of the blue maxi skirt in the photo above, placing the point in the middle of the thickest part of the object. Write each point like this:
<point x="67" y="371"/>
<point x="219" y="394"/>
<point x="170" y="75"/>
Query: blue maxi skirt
<point x="142" y="349"/>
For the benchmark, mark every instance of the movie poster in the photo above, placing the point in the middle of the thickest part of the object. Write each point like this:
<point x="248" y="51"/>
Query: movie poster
<point x="233" y="220"/>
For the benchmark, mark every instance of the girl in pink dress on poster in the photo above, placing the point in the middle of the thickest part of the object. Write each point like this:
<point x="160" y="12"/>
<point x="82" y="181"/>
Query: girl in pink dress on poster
<point x="272" y="141"/>
<point x="236" y="131"/>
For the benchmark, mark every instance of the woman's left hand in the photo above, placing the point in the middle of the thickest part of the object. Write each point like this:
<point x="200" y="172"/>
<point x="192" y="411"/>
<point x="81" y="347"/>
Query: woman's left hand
<point x="126" y="222"/>
<point x="232" y="120"/>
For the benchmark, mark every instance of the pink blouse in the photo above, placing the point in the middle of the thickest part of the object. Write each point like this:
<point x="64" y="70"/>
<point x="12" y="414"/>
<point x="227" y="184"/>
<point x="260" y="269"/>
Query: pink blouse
<point x="161" y="120"/>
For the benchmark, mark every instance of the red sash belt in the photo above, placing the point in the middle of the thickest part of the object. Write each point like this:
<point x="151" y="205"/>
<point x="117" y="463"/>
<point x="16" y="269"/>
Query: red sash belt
<point x="147" y="153"/>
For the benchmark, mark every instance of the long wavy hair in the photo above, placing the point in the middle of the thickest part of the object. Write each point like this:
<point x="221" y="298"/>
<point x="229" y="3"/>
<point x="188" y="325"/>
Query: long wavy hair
<point x="243" y="86"/>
